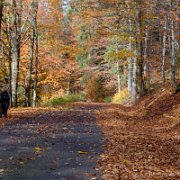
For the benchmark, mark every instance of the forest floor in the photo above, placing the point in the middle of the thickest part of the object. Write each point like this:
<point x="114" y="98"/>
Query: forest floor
<point x="93" y="141"/>
<point x="143" y="141"/>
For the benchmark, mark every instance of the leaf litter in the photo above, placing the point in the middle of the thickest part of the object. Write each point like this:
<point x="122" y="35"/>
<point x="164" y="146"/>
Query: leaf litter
<point x="142" y="142"/>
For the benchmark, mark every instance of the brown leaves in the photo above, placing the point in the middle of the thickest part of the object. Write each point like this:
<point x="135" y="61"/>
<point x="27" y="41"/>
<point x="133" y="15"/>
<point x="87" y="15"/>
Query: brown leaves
<point x="138" y="148"/>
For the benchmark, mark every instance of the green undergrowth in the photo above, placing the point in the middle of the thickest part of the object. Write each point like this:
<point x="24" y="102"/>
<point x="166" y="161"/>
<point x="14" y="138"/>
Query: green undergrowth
<point x="56" y="101"/>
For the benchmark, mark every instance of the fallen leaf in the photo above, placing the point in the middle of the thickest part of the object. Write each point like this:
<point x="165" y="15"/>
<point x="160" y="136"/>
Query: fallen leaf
<point x="2" y="170"/>
<point x="82" y="152"/>
<point x="38" y="150"/>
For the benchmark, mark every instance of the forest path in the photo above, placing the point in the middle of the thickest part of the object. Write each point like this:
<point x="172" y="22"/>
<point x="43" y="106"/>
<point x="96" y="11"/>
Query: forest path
<point x="50" y="144"/>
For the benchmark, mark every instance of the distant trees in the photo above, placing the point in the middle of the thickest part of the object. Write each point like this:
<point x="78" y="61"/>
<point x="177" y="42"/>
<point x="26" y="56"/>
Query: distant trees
<point x="131" y="44"/>
<point x="145" y="34"/>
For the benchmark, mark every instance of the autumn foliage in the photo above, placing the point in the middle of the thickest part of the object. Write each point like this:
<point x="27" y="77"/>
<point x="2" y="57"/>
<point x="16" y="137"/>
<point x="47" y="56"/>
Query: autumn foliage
<point x="131" y="44"/>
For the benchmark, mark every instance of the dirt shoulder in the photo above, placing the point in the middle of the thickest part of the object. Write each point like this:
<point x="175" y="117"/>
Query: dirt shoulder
<point x="143" y="142"/>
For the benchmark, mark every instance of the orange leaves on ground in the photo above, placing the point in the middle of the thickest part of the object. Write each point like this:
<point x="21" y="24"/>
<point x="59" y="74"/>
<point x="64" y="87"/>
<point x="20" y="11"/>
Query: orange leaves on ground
<point x="141" y="145"/>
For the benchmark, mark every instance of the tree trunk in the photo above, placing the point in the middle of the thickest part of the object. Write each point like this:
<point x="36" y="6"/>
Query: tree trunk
<point x="34" y="100"/>
<point x="134" y="86"/>
<point x="14" y="53"/>
<point x="2" y="50"/>
<point x="118" y="77"/>
<point x="19" y="18"/>
<point x="130" y="63"/>
<point x="164" y="51"/>
<point x="29" y="75"/>
<point x="140" y="58"/>
<point x="172" y="57"/>
<point x="1" y="12"/>
<point x="68" y="85"/>
<point x="9" y="42"/>
<point x="146" y="62"/>
<point x="130" y="74"/>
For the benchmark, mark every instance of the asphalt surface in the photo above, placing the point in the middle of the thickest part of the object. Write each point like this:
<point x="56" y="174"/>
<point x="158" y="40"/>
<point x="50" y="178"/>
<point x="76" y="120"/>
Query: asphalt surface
<point x="63" y="144"/>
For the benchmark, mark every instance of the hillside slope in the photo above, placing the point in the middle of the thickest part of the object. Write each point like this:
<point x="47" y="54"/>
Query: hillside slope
<point x="143" y="141"/>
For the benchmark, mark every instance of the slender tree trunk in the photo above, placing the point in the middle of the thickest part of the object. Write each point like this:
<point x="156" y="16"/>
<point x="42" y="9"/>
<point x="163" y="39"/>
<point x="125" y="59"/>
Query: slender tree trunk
<point x="178" y="25"/>
<point x="1" y="12"/>
<point x="19" y="18"/>
<point x="34" y="100"/>
<point x="14" y="53"/>
<point x="117" y="69"/>
<point x="9" y="42"/>
<point x="2" y="50"/>
<point x="134" y="86"/>
<point x="68" y="85"/>
<point x="130" y="63"/>
<point x="29" y="75"/>
<point x="164" y="51"/>
<point x="146" y="62"/>
<point x="140" y="59"/>
<point x="172" y="57"/>
<point x="118" y="77"/>
<point x="130" y="74"/>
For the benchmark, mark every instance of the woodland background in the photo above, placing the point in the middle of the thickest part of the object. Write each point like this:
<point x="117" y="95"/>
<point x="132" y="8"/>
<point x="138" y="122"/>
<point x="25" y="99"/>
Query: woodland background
<point x="88" y="50"/>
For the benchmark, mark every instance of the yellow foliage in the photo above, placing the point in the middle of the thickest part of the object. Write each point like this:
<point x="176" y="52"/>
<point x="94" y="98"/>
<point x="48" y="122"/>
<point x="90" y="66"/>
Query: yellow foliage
<point x="121" y="54"/>
<point x="121" y="97"/>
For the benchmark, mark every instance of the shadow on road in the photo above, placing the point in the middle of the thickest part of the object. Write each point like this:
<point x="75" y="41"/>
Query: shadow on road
<point x="59" y="144"/>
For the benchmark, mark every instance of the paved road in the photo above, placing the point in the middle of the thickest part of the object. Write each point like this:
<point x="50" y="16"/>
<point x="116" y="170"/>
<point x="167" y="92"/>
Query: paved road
<point x="51" y="146"/>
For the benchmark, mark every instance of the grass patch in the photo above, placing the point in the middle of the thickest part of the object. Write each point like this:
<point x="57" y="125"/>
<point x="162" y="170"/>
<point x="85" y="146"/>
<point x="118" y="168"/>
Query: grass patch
<point x="107" y="99"/>
<point x="56" y="101"/>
